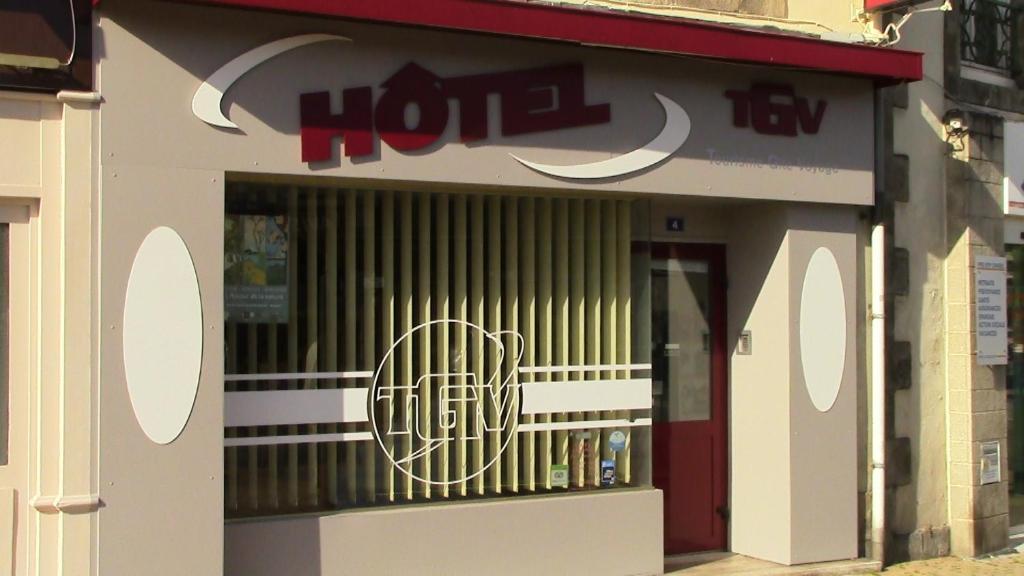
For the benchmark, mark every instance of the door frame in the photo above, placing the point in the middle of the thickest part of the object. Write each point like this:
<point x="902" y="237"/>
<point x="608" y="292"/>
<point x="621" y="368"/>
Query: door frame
<point x="715" y="256"/>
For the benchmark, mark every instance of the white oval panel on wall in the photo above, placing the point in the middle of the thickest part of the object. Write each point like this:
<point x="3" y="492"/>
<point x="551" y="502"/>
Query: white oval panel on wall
<point x="163" y="335"/>
<point x="823" y="329"/>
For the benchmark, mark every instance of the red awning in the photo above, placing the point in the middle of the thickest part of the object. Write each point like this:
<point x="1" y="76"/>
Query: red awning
<point x="618" y="30"/>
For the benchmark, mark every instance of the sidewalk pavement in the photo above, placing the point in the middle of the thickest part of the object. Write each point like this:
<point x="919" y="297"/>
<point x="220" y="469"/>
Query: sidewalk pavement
<point x="1002" y="565"/>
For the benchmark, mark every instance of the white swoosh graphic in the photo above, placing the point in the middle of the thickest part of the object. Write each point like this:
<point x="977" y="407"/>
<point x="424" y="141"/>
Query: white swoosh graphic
<point x="672" y="137"/>
<point x="206" y="104"/>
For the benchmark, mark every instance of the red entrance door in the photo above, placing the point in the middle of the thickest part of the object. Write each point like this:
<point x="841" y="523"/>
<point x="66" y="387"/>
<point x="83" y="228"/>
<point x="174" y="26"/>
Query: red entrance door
<point x="689" y="373"/>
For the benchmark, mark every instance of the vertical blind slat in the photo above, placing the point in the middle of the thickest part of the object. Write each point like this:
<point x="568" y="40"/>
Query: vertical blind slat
<point x="293" y="336"/>
<point x="312" y="334"/>
<point x="231" y="475"/>
<point x="424" y="299"/>
<point x="545" y="333"/>
<point x="331" y="239"/>
<point x="273" y="486"/>
<point x="528" y="304"/>
<point x="510" y="299"/>
<point x="442" y="332"/>
<point x="562" y="322"/>
<point x="460" y="246"/>
<point x="494" y="308"/>
<point x="578" y="324"/>
<point x="369" y="452"/>
<point x="478" y="309"/>
<point x="593" y="324"/>
<point x="624" y="258"/>
<point x="253" y="464"/>
<point x="387" y="376"/>
<point x="406" y="303"/>
<point x="350" y="229"/>
<point x="609" y="296"/>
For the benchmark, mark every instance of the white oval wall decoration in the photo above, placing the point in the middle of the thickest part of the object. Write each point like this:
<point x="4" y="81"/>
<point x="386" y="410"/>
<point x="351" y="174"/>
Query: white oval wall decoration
<point x="163" y="335"/>
<point x="823" y="329"/>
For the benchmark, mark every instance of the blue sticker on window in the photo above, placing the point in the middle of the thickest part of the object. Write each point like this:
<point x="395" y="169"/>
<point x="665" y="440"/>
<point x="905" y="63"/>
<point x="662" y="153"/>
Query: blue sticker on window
<point x="617" y="441"/>
<point x="607" y="472"/>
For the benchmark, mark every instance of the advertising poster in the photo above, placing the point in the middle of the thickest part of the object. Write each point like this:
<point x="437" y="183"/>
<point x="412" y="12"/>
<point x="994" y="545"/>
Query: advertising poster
<point x="256" y="268"/>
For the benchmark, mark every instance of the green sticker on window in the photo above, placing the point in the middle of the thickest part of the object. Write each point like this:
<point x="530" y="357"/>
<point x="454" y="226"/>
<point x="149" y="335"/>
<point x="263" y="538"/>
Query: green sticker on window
<point x="559" y="475"/>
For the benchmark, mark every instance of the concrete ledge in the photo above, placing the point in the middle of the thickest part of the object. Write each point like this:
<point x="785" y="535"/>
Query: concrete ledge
<point x="594" y="534"/>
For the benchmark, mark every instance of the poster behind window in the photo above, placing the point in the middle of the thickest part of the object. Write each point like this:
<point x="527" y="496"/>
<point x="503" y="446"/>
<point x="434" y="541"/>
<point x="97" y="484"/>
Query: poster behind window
<point x="256" y="268"/>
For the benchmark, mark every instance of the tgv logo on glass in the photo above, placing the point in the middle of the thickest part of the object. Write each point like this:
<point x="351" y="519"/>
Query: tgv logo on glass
<point x="775" y="110"/>
<point x="416" y="411"/>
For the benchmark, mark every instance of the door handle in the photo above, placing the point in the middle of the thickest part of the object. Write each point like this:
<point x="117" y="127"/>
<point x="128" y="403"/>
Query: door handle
<point x="723" y="512"/>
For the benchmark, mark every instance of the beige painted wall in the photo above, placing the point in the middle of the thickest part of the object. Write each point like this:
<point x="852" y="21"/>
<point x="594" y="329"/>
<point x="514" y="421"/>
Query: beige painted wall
<point x="703" y="222"/>
<point x="609" y="533"/>
<point x="806" y="16"/>
<point x="920" y="317"/>
<point x="46" y="188"/>
<point x="838" y="15"/>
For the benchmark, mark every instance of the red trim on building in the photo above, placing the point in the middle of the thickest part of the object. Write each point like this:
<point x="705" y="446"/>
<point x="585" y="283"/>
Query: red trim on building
<point x="617" y="30"/>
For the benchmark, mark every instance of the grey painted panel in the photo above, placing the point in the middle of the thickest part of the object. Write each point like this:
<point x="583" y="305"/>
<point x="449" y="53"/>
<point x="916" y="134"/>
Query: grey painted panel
<point x="610" y="533"/>
<point x="163" y="505"/>
<point x="760" y="487"/>
<point x="823" y="457"/>
<point x="156" y="55"/>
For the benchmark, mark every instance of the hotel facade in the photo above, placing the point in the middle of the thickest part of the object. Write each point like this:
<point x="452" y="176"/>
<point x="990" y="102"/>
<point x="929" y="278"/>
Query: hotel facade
<point x="498" y="287"/>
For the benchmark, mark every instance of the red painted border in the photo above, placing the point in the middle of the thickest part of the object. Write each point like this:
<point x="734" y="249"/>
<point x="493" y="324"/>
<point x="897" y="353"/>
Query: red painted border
<point x="616" y="29"/>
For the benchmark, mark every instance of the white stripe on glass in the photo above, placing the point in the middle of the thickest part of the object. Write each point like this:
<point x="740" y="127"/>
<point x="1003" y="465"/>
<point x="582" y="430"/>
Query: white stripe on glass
<point x="582" y="425"/>
<point x="288" y="407"/>
<point x="304" y="439"/>
<point x="355" y="375"/>
<point x="586" y="396"/>
<point x="582" y="368"/>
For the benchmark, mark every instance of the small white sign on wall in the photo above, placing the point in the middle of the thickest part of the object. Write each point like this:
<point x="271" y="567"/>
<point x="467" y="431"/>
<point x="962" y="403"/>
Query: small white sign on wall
<point x="1013" y="168"/>
<point x="991" y="472"/>
<point x="990" y="310"/>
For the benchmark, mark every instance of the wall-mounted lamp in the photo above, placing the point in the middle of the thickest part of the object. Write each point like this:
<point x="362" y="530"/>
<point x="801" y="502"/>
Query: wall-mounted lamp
<point x="956" y="123"/>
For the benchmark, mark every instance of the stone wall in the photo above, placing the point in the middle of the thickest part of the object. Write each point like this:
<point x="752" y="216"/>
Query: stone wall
<point x="979" y="518"/>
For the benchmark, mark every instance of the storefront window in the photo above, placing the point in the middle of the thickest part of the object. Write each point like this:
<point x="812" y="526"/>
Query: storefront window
<point x="389" y="347"/>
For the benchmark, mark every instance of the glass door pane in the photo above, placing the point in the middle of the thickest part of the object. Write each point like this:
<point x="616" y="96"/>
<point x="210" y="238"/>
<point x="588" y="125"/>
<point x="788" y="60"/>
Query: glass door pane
<point x="681" y="334"/>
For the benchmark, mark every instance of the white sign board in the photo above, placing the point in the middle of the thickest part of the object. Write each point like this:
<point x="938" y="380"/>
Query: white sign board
<point x="1013" y="169"/>
<point x="990" y="309"/>
<point x="991" y="472"/>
